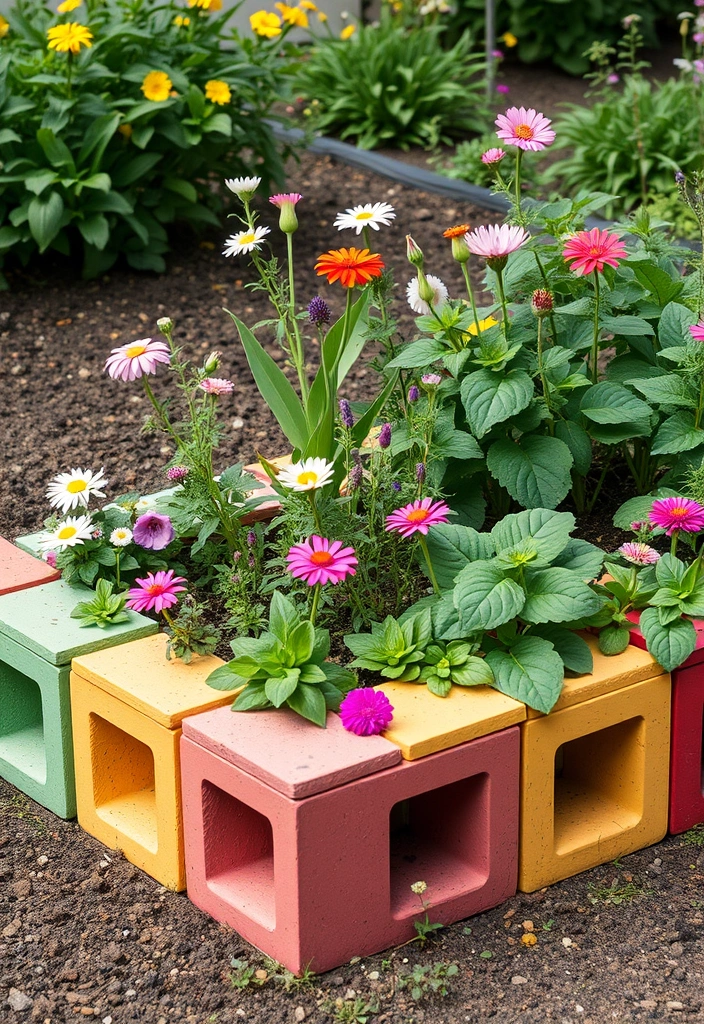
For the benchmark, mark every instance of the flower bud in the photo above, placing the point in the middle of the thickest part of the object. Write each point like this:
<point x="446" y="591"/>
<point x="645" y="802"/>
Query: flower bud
<point x="211" y="363"/>
<point x="413" y="393"/>
<point x="542" y="302"/>
<point x="165" y="325"/>
<point x="286" y="202"/>
<point x="385" y="436"/>
<point x="346" y="417"/>
<point x="414" y="253"/>
<point x="420" y="472"/>
<point x="425" y="288"/>
<point x="431" y="380"/>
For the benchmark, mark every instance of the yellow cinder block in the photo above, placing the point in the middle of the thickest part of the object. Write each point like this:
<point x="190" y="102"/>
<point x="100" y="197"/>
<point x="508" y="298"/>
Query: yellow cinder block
<point x="594" y="781"/>
<point x="127" y="712"/>
<point x="424" y="724"/>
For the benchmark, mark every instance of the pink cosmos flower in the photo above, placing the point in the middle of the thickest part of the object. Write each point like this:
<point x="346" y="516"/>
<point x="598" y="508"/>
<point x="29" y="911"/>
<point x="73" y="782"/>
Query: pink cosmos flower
<point x="154" y="531"/>
<point x="526" y="129"/>
<point x="216" y="386"/>
<point x="155" y="592"/>
<point x="697" y="331"/>
<point x="613" y="78"/>
<point x="503" y="90"/>
<point x="50" y="558"/>
<point x="590" y="251"/>
<point x="285" y="197"/>
<point x="318" y="560"/>
<point x="417" y="517"/>
<point x="366" y="712"/>
<point x="128" y="362"/>
<point x="496" y="241"/>
<point x="493" y="156"/>
<point x="639" y="554"/>
<point x="672" y="514"/>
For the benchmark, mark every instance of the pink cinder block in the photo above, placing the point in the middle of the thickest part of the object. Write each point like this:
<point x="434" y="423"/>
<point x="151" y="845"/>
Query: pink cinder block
<point x="317" y="880"/>
<point x="19" y="570"/>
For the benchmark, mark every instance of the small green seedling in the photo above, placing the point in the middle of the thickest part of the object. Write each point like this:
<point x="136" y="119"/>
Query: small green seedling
<point x="429" y="980"/>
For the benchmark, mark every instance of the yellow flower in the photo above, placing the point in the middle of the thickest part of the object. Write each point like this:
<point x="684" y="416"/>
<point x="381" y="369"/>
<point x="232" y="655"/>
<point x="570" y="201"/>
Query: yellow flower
<point x="484" y="325"/>
<point x="265" y="23"/>
<point x="218" y="92"/>
<point x="4" y="27"/>
<point x="348" y="30"/>
<point x="156" y="86"/>
<point x="215" y="5"/>
<point x="322" y="16"/>
<point x="508" y="39"/>
<point x="181" y="22"/>
<point x="126" y="130"/>
<point x="307" y="5"/>
<point x="292" y="15"/>
<point x="69" y="37"/>
<point x="68" y="5"/>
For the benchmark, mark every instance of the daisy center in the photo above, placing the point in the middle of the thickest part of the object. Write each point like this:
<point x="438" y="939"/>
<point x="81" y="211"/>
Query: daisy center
<point x="66" y="532"/>
<point x="246" y="239"/>
<point x="595" y="250"/>
<point x="322" y="558"/>
<point x="524" y="131"/>
<point x="418" y="515"/>
<point x="76" y="486"/>
<point x="132" y="351"/>
<point x="678" y="511"/>
<point x="155" y="589"/>
<point x="364" y="215"/>
<point x="309" y="477"/>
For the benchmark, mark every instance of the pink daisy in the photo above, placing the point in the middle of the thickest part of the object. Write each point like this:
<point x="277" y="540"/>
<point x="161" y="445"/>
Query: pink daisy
<point x="493" y="156"/>
<point x="588" y="251"/>
<point x="639" y="554"/>
<point x="366" y="712"/>
<point x="318" y="560"/>
<point x="285" y="197"/>
<point x="417" y="517"/>
<point x="216" y="386"/>
<point x="697" y="331"/>
<point x="526" y="129"/>
<point x="139" y="357"/>
<point x="496" y="241"/>
<point x="155" y="592"/>
<point x="672" y="514"/>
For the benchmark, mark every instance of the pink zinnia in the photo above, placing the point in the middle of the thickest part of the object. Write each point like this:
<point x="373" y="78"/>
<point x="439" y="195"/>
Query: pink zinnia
<point x="697" y="331"/>
<point x="155" y="592"/>
<point x="318" y="560"/>
<point x="672" y="514"/>
<point x="366" y="712"/>
<point x="417" y="517"/>
<point x="285" y="197"/>
<point x="216" y="386"/>
<point x="493" y="156"/>
<point x="139" y="357"/>
<point x="526" y="129"/>
<point x="588" y="251"/>
<point x="639" y="554"/>
<point x="496" y="241"/>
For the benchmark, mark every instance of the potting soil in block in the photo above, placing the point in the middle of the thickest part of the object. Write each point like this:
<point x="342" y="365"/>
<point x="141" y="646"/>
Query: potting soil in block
<point x="128" y="704"/>
<point x="19" y="570"/>
<point x="38" y="637"/>
<point x="307" y="841"/>
<point x="594" y="772"/>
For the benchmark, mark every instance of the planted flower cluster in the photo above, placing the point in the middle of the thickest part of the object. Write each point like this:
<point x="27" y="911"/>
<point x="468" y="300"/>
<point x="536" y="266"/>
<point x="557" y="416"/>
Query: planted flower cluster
<point x="579" y="363"/>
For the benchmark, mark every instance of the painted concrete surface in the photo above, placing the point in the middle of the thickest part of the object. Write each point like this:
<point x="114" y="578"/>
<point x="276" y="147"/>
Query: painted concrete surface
<point x="687" y="754"/>
<point x="18" y="570"/>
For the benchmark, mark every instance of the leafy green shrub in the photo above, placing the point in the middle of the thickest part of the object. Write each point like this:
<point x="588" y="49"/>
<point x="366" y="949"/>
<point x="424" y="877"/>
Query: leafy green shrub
<point x="387" y="85"/>
<point x="116" y="131"/>
<point x="466" y="162"/>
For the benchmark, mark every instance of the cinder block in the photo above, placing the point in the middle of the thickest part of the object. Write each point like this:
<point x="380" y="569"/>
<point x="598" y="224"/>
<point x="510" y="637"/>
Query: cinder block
<point x="19" y="570"/>
<point x="594" y="781"/>
<point x="316" y="880"/>
<point x="37" y="639"/>
<point x="127" y="707"/>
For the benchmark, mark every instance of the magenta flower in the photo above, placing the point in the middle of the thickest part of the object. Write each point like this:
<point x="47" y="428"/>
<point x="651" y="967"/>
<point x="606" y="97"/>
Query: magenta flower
<point x="177" y="473"/>
<point x="639" y="554"/>
<point x="154" y="531"/>
<point x="503" y="90"/>
<point x="155" y="592"/>
<point x="216" y="386"/>
<point x="588" y="251"/>
<point x="318" y="560"/>
<point x="672" y="514"/>
<point x="432" y="379"/>
<point x="493" y="156"/>
<point x="526" y="129"/>
<point x="285" y="197"/>
<point x="366" y="712"/>
<point x="496" y="242"/>
<point x="50" y="558"/>
<point x="139" y="357"/>
<point x="417" y="517"/>
<point x="697" y="331"/>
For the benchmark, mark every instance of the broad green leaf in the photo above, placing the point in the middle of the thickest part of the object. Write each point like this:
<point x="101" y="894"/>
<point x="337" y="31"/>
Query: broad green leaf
<point x="485" y="597"/>
<point x="100" y="182"/>
<point x="612" y="403"/>
<point x="252" y="698"/>
<point x="557" y="595"/>
<point x="579" y="443"/>
<point x="550" y="531"/>
<point x="475" y="672"/>
<point x="451" y="547"/>
<point x="182" y="188"/>
<point x="309" y="702"/>
<point x="280" y="688"/>
<point x="95" y="229"/>
<point x="673" y="328"/>
<point x="283" y="617"/>
<point x="531" y="671"/>
<point x="669" y="389"/>
<point x="223" y="678"/>
<point x="677" y="434"/>
<point x="637" y="510"/>
<point x="418" y="353"/>
<point x="670" y="645"/>
<point x="440" y="687"/>
<point x="629" y="326"/>
<point x="582" y="558"/>
<point x="56" y="151"/>
<point x="490" y="398"/>
<point x="572" y="648"/>
<point x="614" y="639"/>
<point x="45" y="216"/>
<point x="37" y="181"/>
<point x="301" y="641"/>
<point x="534" y="470"/>
<point x="657" y="281"/>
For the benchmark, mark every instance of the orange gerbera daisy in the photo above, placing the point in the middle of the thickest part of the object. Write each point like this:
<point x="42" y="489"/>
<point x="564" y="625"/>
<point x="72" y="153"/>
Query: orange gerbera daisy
<point x="349" y="266"/>
<point x="456" y="232"/>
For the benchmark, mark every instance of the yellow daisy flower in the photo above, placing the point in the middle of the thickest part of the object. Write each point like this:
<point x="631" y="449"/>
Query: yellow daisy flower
<point x="322" y="16"/>
<point x="265" y="23"/>
<point x="181" y="22"/>
<point x="68" y="5"/>
<point x="156" y="86"/>
<point x="348" y="31"/>
<point x="307" y="5"/>
<point x="292" y="15"/>
<point x="4" y="27"/>
<point x="218" y="92"/>
<point x="69" y="37"/>
<point x="508" y="39"/>
<point x="484" y="325"/>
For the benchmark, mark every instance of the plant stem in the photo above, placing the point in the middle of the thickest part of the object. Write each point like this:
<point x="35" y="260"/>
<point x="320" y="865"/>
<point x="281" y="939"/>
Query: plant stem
<point x="426" y="554"/>
<point x="541" y="370"/>
<point x="700" y="403"/>
<point x="117" y="570"/>
<point x="673" y="543"/>
<point x="517" y="182"/>
<point x="314" y="605"/>
<point x="314" y="509"/>
<point x="595" y="340"/>
<point x="470" y="292"/>
<point x="300" y="356"/>
<point x="502" y="296"/>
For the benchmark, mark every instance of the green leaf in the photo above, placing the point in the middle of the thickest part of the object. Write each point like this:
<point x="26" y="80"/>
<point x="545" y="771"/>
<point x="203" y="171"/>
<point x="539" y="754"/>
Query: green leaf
<point x="531" y="671"/>
<point x="670" y="645"/>
<point x="56" y="151"/>
<point x="579" y="443"/>
<point x="557" y="595"/>
<point x="491" y="398"/>
<point x="629" y="326"/>
<point x="572" y="648"/>
<point x="301" y="642"/>
<point x="657" y="281"/>
<point x="37" y="181"/>
<point x="614" y="640"/>
<point x="549" y="531"/>
<point x="95" y="229"/>
<point x="223" y="678"/>
<point x="637" y="510"/>
<point x="534" y="470"/>
<point x="485" y="598"/>
<point x="45" y="216"/>
<point x="677" y="434"/>
<point x="100" y="182"/>
<point x="582" y="558"/>
<point x="252" y="698"/>
<point x="419" y="353"/>
<point x="283" y="617"/>
<point x="475" y="672"/>
<point x="669" y="389"/>
<point x="309" y="702"/>
<point x="612" y="403"/>
<point x="451" y="547"/>
<point x="279" y="689"/>
<point x="675" y="321"/>
<point x="182" y="188"/>
<point x="440" y="687"/>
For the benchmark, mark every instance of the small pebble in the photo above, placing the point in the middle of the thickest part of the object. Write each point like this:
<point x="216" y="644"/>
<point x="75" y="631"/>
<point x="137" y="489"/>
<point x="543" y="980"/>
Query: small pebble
<point x="676" y="949"/>
<point x="19" y="1000"/>
<point x="518" y="979"/>
<point x="350" y="994"/>
<point x="673" y="1004"/>
<point x="528" y="926"/>
<point x="299" y="1013"/>
<point x="373" y="975"/>
<point x="657" y="861"/>
<point x="567" y="942"/>
<point x="42" y="860"/>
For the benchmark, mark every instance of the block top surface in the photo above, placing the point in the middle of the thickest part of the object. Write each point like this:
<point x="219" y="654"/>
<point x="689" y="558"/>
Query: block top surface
<point x="140" y="675"/>
<point x="39" y="619"/>
<point x="19" y="570"/>
<point x="697" y="655"/>
<point x="610" y="673"/>
<point x="288" y="753"/>
<point x="425" y="724"/>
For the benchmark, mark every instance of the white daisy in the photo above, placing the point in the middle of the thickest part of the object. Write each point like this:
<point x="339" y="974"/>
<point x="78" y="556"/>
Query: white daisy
<point x="244" y="188"/>
<point x="74" y="489"/>
<point x="419" y="305"/>
<point x="121" y="537"/>
<point x="245" y="241"/>
<point x="73" y="530"/>
<point x="306" y="475"/>
<point x="142" y="504"/>
<point x="371" y="215"/>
